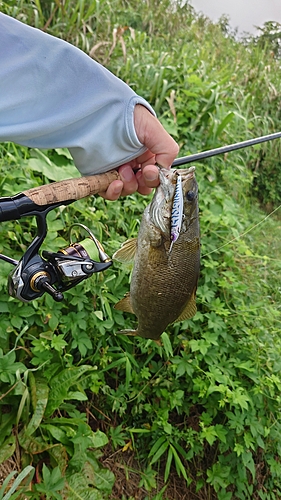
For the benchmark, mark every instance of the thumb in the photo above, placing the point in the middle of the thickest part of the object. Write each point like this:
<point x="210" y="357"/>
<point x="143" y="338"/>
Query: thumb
<point x="152" y="134"/>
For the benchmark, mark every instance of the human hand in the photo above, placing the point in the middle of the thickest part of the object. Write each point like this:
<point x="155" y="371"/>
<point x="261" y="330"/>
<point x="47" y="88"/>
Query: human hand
<point x="141" y="174"/>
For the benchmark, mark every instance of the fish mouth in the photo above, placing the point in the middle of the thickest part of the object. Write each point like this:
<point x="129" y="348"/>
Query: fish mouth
<point x="165" y="174"/>
<point x="186" y="173"/>
<point x="161" y="205"/>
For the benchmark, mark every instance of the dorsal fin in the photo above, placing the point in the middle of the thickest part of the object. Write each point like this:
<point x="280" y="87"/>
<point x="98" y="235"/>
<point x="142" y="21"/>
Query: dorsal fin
<point x="190" y="308"/>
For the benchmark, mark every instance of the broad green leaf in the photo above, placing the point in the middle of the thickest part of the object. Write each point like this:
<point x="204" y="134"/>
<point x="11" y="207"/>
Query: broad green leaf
<point x="178" y="463"/>
<point x="99" y="439"/>
<point x="221" y="432"/>
<point x="60" y="456"/>
<point x="61" y="384"/>
<point x="53" y="480"/>
<point x="92" y="483"/>
<point x="6" y="427"/>
<point x="227" y="119"/>
<point x="180" y="449"/>
<point x="161" y="450"/>
<point x="7" y="448"/>
<point x="239" y="449"/>
<point x="209" y="433"/>
<point x="248" y="461"/>
<point x="99" y="315"/>
<point x="128" y="373"/>
<point x="77" y="395"/>
<point x="99" y="477"/>
<point x="76" y="489"/>
<point x="33" y="445"/>
<point x="168" y="464"/>
<point x="42" y="393"/>
<point x="167" y="344"/>
<point x="50" y="170"/>
<point x="148" y="479"/>
<point x="156" y="445"/>
<point x="57" y="432"/>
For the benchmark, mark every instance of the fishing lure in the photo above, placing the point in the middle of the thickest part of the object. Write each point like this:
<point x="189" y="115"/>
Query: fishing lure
<point x="177" y="212"/>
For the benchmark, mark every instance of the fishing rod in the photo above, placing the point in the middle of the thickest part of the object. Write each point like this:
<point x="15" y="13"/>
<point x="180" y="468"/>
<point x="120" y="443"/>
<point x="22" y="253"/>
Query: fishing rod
<point x="224" y="149"/>
<point x="41" y="198"/>
<point x="55" y="272"/>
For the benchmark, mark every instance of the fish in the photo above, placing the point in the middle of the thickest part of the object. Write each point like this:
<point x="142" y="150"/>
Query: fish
<point x="166" y="263"/>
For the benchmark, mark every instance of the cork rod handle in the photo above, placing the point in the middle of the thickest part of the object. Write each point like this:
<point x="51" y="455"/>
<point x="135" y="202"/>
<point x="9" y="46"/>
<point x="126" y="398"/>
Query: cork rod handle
<point x="71" y="189"/>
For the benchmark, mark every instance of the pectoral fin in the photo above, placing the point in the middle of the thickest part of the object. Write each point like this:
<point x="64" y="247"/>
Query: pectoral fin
<point x="125" y="304"/>
<point x="190" y="308"/>
<point x="129" y="333"/>
<point x="127" y="251"/>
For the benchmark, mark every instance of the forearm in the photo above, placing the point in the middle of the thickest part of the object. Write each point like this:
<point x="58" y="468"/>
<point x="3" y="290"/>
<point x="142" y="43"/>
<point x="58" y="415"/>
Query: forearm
<point x="53" y="95"/>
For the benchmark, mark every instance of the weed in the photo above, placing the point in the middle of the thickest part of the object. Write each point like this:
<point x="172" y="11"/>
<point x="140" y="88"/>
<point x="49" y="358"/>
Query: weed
<point x="204" y="404"/>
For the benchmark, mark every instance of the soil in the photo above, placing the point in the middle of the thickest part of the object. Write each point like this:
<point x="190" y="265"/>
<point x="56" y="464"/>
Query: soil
<point x="125" y="468"/>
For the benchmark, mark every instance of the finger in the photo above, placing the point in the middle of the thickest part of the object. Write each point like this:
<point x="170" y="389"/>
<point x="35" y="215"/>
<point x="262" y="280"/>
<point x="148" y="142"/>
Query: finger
<point x="127" y="175"/>
<point x="150" y="176"/>
<point x="147" y="158"/>
<point x="113" y="192"/>
<point x="142" y="185"/>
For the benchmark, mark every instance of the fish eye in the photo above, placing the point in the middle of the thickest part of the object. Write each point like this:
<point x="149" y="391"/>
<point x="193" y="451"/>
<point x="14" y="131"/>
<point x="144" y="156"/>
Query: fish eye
<point x="190" y="195"/>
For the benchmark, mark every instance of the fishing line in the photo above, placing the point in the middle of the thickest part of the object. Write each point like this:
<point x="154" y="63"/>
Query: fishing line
<point x="242" y="234"/>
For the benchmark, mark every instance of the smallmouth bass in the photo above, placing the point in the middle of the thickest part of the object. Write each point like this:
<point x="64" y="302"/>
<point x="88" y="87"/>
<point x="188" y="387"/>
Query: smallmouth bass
<point x="166" y="268"/>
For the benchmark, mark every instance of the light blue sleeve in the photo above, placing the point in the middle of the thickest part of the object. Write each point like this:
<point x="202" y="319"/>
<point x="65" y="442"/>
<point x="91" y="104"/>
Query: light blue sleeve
<point x="54" y="95"/>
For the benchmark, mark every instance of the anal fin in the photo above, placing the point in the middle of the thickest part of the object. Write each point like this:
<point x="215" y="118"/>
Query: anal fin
<point x="125" y="304"/>
<point x="130" y="333"/>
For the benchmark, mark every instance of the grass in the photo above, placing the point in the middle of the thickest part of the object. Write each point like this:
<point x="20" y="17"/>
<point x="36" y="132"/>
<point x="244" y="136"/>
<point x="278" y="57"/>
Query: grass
<point x="86" y="402"/>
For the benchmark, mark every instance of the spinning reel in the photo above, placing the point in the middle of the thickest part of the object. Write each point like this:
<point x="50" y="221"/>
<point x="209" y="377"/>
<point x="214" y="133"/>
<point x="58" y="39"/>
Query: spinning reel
<point x="51" y="272"/>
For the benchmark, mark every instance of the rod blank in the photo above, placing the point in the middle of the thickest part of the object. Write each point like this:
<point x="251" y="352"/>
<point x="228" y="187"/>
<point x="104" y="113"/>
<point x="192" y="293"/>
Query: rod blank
<point x="224" y="149"/>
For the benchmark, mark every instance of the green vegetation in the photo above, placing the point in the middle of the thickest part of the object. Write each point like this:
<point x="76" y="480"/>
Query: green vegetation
<point x="86" y="414"/>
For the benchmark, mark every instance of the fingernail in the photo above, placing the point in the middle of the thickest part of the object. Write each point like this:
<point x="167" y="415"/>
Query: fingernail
<point x="150" y="175"/>
<point x="117" y="190"/>
<point x="127" y="174"/>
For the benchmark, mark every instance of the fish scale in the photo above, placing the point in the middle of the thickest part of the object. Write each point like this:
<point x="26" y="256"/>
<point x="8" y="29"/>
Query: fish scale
<point x="164" y="282"/>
